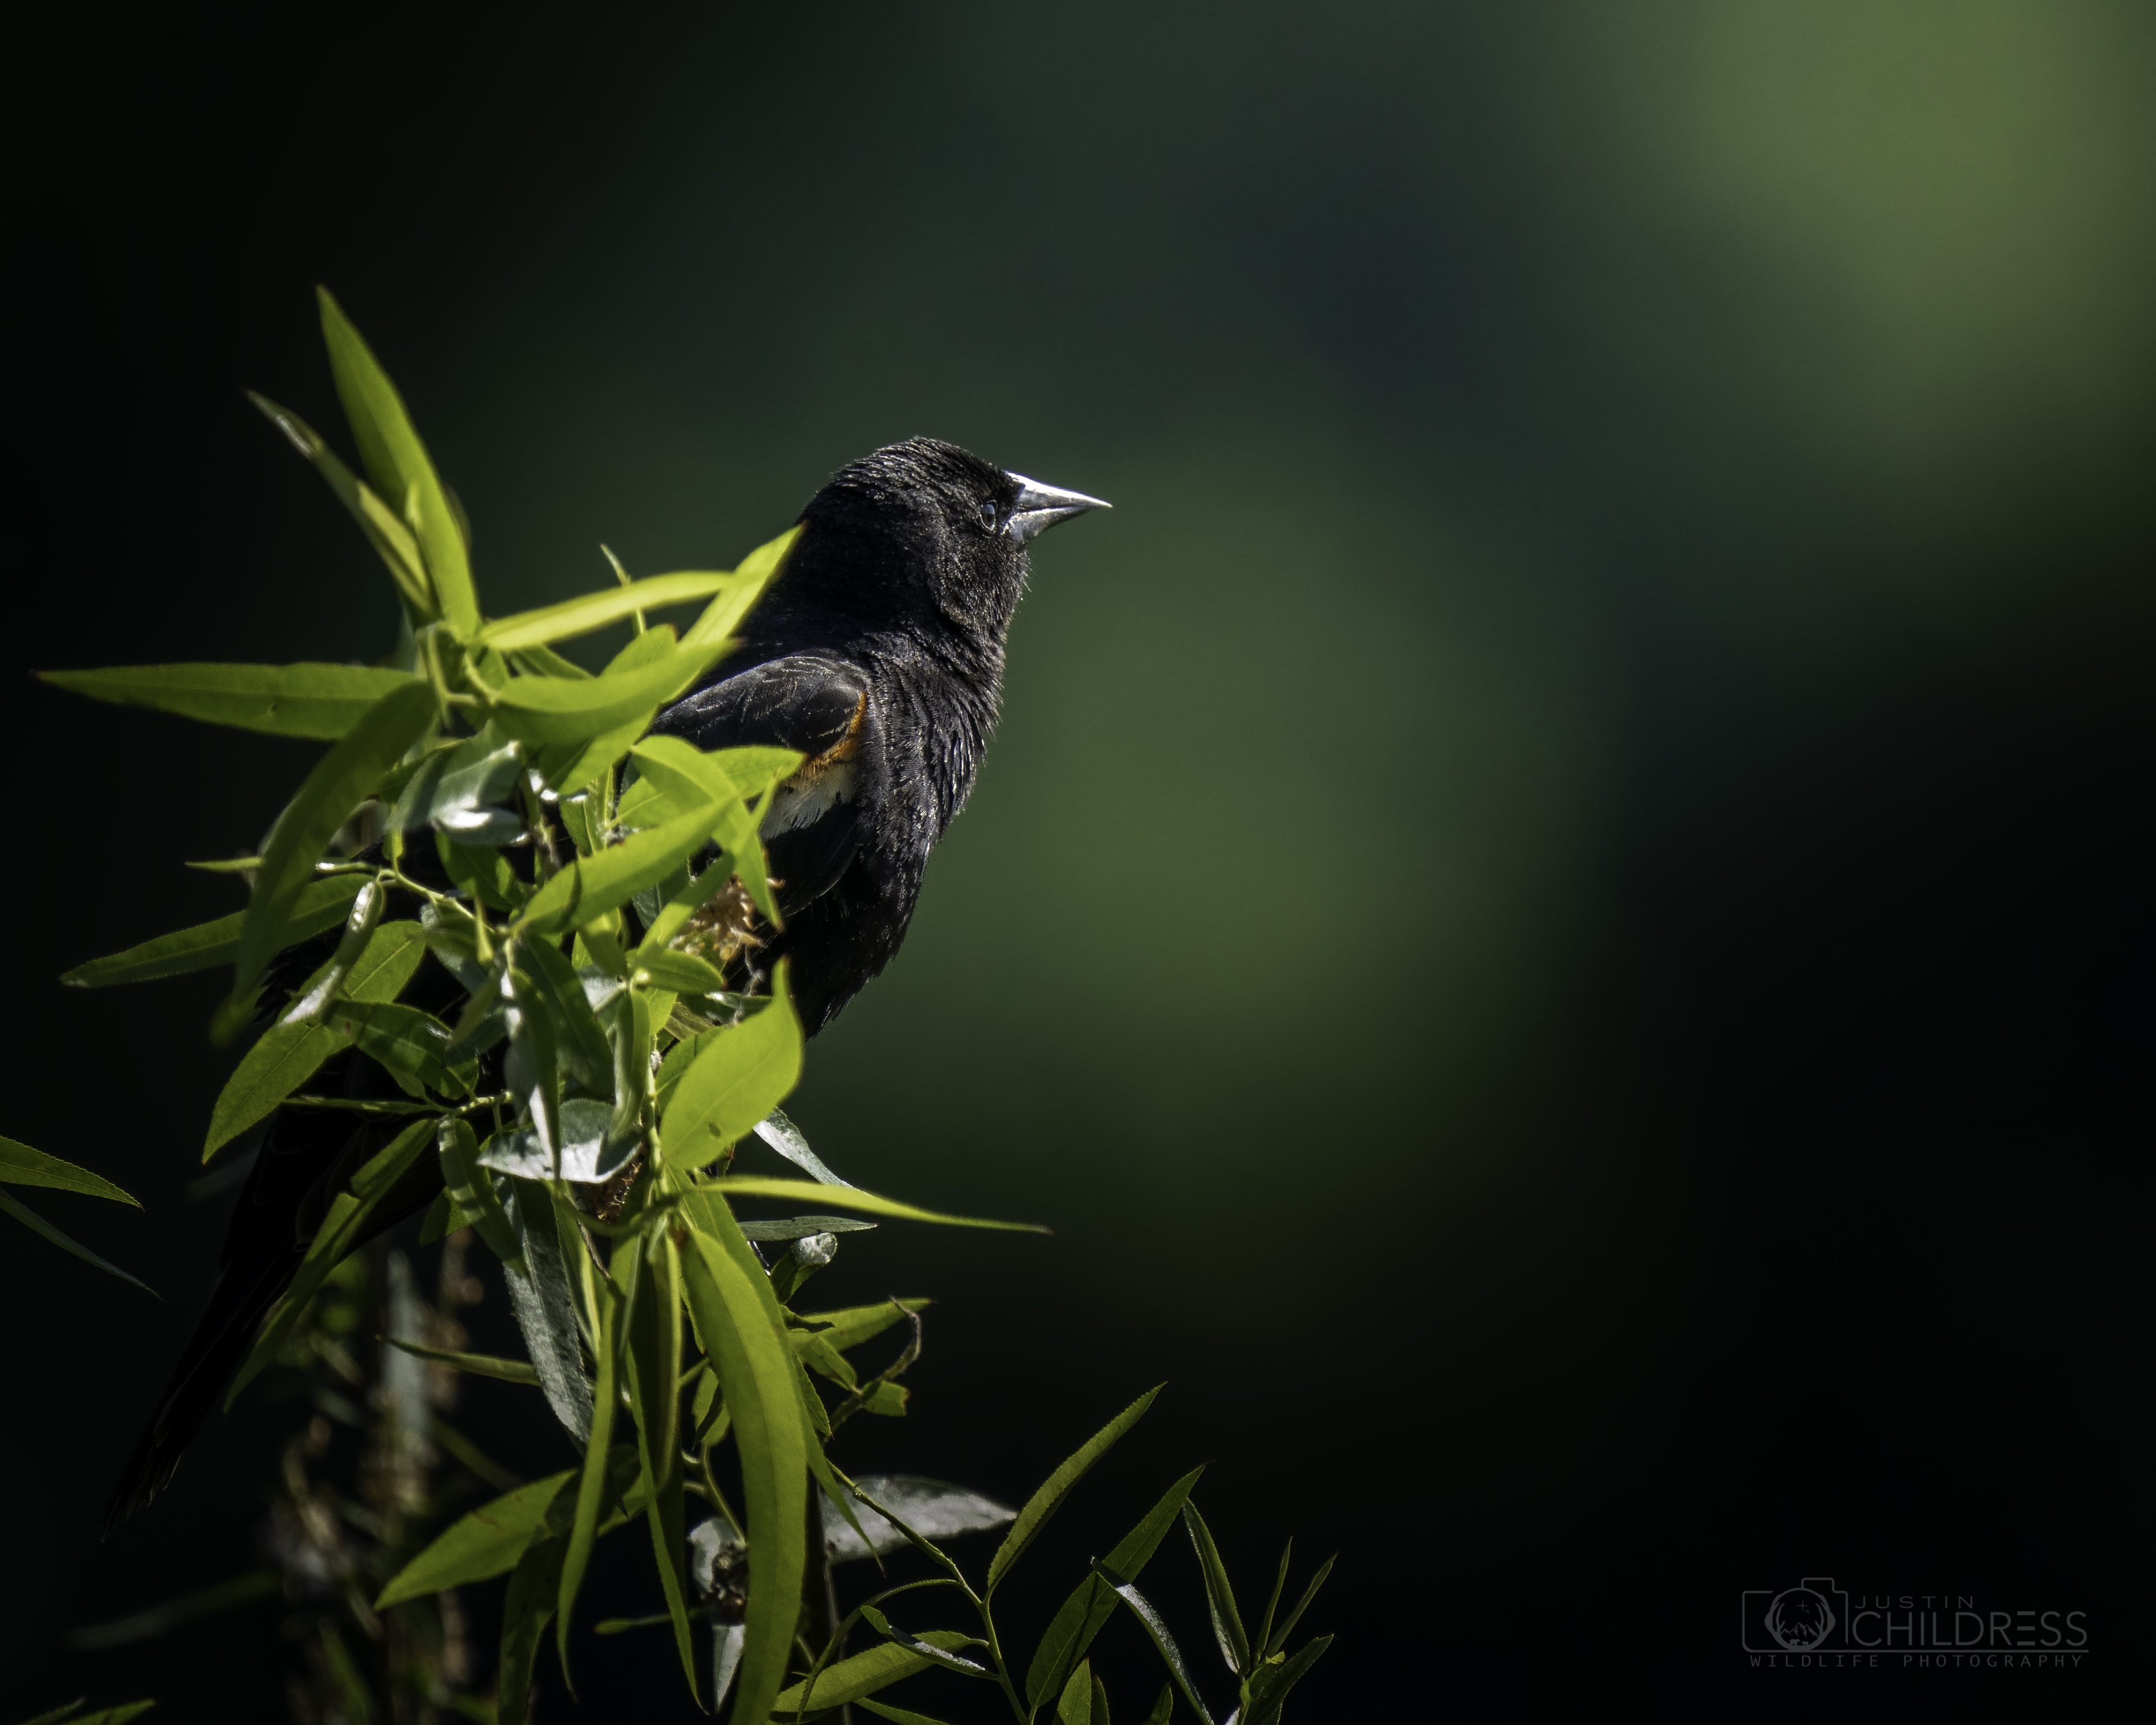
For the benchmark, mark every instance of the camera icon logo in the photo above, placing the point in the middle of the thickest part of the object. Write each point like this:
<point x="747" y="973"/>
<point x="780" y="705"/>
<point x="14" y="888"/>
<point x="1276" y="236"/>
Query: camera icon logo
<point x="1796" y="1619"/>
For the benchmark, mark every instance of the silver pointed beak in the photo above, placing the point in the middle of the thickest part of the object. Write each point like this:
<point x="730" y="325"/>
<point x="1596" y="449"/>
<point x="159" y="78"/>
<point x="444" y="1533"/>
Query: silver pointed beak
<point x="1040" y="507"/>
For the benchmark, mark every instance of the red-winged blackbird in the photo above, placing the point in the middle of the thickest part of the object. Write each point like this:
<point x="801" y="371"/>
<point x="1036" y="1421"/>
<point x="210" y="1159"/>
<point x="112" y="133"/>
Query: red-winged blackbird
<point x="878" y="652"/>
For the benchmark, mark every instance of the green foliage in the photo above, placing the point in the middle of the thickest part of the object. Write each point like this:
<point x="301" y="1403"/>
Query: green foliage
<point x="613" y="1044"/>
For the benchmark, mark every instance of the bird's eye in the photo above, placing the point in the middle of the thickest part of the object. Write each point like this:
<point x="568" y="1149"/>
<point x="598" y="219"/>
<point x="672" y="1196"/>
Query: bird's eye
<point x="991" y="514"/>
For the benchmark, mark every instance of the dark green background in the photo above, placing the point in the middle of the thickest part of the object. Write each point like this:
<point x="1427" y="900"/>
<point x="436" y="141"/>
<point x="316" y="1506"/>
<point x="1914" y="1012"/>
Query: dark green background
<point x="1554" y="921"/>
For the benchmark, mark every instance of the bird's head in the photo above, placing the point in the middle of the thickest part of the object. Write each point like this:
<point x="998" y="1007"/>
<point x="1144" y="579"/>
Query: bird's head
<point x="922" y="536"/>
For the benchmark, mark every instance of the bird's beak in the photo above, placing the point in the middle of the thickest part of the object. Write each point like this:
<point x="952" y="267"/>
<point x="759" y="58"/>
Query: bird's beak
<point x="1039" y="507"/>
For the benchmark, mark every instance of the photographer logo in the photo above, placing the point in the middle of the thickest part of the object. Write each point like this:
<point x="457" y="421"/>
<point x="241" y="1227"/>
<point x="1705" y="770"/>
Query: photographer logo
<point x="1816" y="1625"/>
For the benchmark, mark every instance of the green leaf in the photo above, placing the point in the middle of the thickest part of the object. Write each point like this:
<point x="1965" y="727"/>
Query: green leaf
<point x="756" y="1372"/>
<point x="551" y="710"/>
<point x="478" y="1365"/>
<point x="591" y="1483"/>
<point x="1219" y="1595"/>
<point x="455" y="787"/>
<point x="1263" y="1639"/>
<point x="409" y="1045"/>
<point x="552" y="982"/>
<point x="351" y="769"/>
<point x="1045" y="1502"/>
<point x="680" y="972"/>
<point x="396" y="461"/>
<point x="756" y="572"/>
<point x="863" y="1674"/>
<point x="948" y="1658"/>
<point x="684" y="775"/>
<point x="1163" y="1642"/>
<point x="113" y="1716"/>
<point x="285" y="1057"/>
<point x="590" y="886"/>
<point x="655" y="1374"/>
<point x="591" y="611"/>
<point x="1270" y="1687"/>
<point x="470" y="1188"/>
<point x="853" y="1198"/>
<point x="738" y="1077"/>
<point x="385" y="532"/>
<point x="487" y="1543"/>
<point x="527" y="1610"/>
<point x="320" y="904"/>
<point x="1164" y="1709"/>
<point x="1074" y="1705"/>
<point x="340" y="1226"/>
<point x="21" y="1166"/>
<point x="322" y="701"/>
<point x="850" y="1326"/>
<point x="541" y="1299"/>
<point x="1091" y="1603"/>
<point x="1279" y="1641"/>
<point x="38" y="1224"/>
<point x="884" y="1710"/>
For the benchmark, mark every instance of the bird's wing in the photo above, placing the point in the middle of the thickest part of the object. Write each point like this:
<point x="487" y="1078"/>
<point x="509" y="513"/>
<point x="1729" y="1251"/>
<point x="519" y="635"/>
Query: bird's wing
<point x="814" y="823"/>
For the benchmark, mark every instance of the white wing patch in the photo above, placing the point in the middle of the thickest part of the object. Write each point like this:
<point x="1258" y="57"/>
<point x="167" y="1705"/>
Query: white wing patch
<point x="808" y="797"/>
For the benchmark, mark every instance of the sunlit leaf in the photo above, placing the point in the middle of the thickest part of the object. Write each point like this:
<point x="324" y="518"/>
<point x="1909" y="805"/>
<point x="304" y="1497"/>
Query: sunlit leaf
<point x="591" y="611"/>
<point x="782" y="1135"/>
<point x="1270" y="1686"/>
<point x="478" y="1365"/>
<point x="20" y="1165"/>
<point x="654" y="1372"/>
<point x="469" y="1187"/>
<point x="589" y="886"/>
<point x="397" y="461"/>
<point x="737" y="1078"/>
<point x="930" y="1507"/>
<point x="948" y="1658"/>
<point x="411" y="1046"/>
<point x="852" y="1197"/>
<point x="1074" y="1705"/>
<point x="319" y="905"/>
<point x="385" y="530"/>
<point x="351" y="768"/>
<point x="756" y="572"/>
<point x="285" y="1057"/>
<point x="551" y="711"/>
<point x="850" y="1326"/>
<point x="487" y="1543"/>
<point x="756" y="1368"/>
<point x="1045" y="1502"/>
<point x="322" y="701"/>
<point x="680" y="972"/>
<point x="586" y="1157"/>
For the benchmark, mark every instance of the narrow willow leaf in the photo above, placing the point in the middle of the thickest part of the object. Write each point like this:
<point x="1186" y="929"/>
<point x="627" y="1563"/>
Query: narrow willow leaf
<point x="586" y="1057"/>
<point x="586" y="1154"/>
<point x="113" y="1716"/>
<point x="411" y="1046"/>
<point x="321" y="701"/>
<point x="38" y="1224"/>
<point x="478" y="1365"/>
<point x="455" y="787"/>
<point x="590" y="886"/>
<point x="360" y="924"/>
<point x="680" y="972"/>
<point x="948" y="1658"/>
<point x="929" y="1508"/>
<point x="392" y="540"/>
<point x="1263" y="1640"/>
<point x="527" y="1610"/>
<point x="850" y="1326"/>
<point x="684" y="774"/>
<point x="655" y="1371"/>
<point x="397" y="461"/>
<point x="757" y="1370"/>
<point x="468" y="1186"/>
<point x="1091" y="1603"/>
<point x="487" y="1543"/>
<point x="853" y="1198"/>
<point x="341" y="1227"/>
<point x="782" y="1135"/>
<point x="794" y="1228"/>
<point x="1074" y="1705"/>
<point x="544" y="1307"/>
<point x="591" y="1483"/>
<point x="1045" y="1502"/>
<point x="591" y="611"/>
<point x="1163" y="1642"/>
<point x="551" y="711"/>
<point x="1219" y="1594"/>
<point x="1279" y="1641"/>
<point x="1163" y="1709"/>
<point x="756" y="572"/>
<point x="285" y="1057"/>
<point x="351" y="769"/>
<point x="863" y="1674"/>
<point x="737" y="1078"/>
<point x="1276" y="1680"/>
<point x="320" y="904"/>
<point x="21" y="1166"/>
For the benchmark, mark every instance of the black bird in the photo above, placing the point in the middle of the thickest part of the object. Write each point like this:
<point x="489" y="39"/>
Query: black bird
<point x="878" y="652"/>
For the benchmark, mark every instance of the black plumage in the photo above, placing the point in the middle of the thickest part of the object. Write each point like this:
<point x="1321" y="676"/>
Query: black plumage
<point x="879" y="654"/>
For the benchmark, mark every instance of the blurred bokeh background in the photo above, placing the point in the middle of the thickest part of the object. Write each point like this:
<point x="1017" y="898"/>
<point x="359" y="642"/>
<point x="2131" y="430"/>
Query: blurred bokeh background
<point x="1554" y="922"/>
